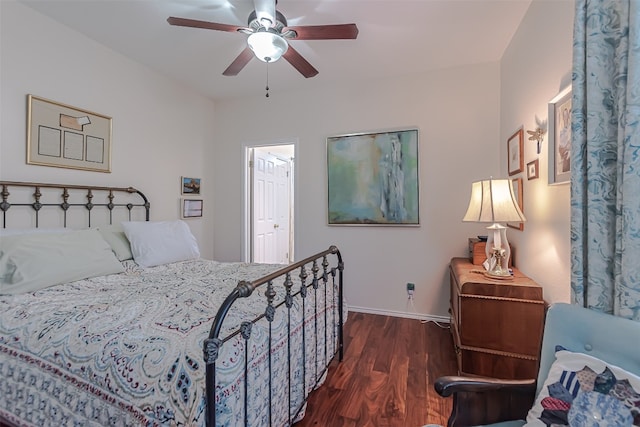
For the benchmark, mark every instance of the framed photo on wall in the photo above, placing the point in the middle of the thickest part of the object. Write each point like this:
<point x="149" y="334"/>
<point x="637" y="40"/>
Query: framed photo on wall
<point x="532" y="169"/>
<point x="190" y="186"/>
<point x="516" y="183"/>
<point x="191" y="208"/>
<point x="515" y="152"/>
<point x="560" y="137"/>
<point x="373" y="178"/>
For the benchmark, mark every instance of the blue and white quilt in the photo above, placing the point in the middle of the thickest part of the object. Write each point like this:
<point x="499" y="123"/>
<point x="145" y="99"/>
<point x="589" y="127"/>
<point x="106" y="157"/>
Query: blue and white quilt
<point x="126" y="349"/>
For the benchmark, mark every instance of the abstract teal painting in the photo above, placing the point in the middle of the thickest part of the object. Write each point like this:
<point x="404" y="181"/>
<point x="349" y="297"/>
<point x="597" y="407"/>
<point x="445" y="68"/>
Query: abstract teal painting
<point x="373" y="178"/>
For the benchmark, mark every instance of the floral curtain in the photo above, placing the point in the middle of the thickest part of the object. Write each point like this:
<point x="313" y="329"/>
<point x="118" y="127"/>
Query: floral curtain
<point x="605" y="157"/>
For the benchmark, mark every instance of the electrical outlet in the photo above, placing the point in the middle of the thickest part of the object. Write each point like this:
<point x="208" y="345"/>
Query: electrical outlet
<point x="410" y="289"/>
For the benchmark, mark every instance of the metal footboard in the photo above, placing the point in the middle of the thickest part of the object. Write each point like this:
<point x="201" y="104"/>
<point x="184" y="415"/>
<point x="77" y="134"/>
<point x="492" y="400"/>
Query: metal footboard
<point x="324" y="285"/>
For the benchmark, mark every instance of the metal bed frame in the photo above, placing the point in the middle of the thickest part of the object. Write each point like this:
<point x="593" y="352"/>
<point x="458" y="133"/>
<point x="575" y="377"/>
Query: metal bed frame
<point x="65" y="205"/>
<point x="326" y="278"/>
<point x="245" y="289"/>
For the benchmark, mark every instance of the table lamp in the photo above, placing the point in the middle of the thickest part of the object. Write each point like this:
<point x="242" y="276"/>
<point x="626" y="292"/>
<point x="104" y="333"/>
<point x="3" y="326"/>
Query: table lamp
<point x="493" y="201"/>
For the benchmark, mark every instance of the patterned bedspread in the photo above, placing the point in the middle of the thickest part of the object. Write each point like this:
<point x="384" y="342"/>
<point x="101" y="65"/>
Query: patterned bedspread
<point x="126" y="350"/>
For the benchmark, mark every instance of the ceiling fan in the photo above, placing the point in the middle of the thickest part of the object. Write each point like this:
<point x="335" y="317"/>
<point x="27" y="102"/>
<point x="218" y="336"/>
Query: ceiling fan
<point x="269" y="35"/>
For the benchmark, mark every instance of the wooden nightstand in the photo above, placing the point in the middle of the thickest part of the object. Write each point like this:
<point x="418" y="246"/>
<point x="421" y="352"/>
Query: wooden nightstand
<point x="496" y="324"/>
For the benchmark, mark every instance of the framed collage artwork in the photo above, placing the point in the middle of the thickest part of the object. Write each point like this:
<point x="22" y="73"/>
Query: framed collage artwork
<point x="63" y="136"/>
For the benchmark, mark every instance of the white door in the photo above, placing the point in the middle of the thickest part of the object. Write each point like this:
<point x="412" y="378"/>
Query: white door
<point x="271" y="214"/>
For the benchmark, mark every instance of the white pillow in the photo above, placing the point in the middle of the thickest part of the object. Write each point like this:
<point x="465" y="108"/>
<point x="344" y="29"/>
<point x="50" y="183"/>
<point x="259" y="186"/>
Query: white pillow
<point x="30" y="262"/>
<point x="160" y="242"/>
<point x="115" y="237"/>
<point x="581" y="390"/>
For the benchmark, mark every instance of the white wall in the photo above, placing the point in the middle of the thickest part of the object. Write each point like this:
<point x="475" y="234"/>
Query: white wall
<point x="457" y="114"/>
<point x="534" y="68"/>
<point x="160" y="129"/>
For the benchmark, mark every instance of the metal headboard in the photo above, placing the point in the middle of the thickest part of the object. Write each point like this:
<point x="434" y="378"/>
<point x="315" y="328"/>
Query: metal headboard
<point x="111" y="202"/>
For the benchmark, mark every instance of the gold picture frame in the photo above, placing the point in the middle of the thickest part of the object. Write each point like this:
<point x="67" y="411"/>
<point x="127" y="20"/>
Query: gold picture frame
<point x="63" y="136"/>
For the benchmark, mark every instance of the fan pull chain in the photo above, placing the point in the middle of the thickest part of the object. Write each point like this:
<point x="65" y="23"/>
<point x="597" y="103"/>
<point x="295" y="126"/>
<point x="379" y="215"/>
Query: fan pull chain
<point x="267" y="87"/>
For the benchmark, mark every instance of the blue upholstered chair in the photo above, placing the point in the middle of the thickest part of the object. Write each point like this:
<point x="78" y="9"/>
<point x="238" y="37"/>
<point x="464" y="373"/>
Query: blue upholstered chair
<point x="482" y="401"/>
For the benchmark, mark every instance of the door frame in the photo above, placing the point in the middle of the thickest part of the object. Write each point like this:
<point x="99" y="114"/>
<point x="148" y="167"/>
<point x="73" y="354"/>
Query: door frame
<point x="245" y="246"/>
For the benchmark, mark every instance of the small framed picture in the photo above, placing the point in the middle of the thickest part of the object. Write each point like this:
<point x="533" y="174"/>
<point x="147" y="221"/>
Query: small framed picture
<point x="191" y="208"/>
<point x="190" y="186"/>
<point x="532" y="170"/>
<point x="515" y="147"/>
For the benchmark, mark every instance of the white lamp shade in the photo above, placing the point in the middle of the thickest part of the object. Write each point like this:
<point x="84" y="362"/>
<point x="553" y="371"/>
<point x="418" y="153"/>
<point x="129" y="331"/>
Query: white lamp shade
<point x="493" y="201"/>
<point x="267" y="45"/>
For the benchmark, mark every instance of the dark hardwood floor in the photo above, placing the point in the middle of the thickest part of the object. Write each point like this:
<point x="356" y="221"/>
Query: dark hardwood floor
<point x="386" y="377"/>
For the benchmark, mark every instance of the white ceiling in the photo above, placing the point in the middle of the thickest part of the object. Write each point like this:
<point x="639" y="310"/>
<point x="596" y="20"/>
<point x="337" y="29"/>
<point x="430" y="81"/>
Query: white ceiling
<point x="397" y="37"/>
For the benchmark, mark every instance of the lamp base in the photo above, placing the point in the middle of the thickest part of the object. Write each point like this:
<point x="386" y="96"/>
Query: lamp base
<point x="497" y="265"/>
<point x="498" y="251"/>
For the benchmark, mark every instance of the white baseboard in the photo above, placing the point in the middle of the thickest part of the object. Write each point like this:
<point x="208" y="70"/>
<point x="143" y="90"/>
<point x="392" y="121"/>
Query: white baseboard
<point x="427" y="317"/>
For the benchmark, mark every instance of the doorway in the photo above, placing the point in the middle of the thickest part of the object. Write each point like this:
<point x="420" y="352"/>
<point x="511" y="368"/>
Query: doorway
<point x="269" y="203"/>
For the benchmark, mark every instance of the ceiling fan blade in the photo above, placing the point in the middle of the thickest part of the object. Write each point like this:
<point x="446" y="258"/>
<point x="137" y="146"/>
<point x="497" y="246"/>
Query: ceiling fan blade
<point x="299" y="63"/>
<point x="324" y="32"/>
<point x="265" y="9"/>
<point x="238" y="64"/>
<point x="194" y="23"/>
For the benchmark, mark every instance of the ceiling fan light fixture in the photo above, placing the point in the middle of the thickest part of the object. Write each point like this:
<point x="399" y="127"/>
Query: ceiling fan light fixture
<point x="267" y="45"/>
